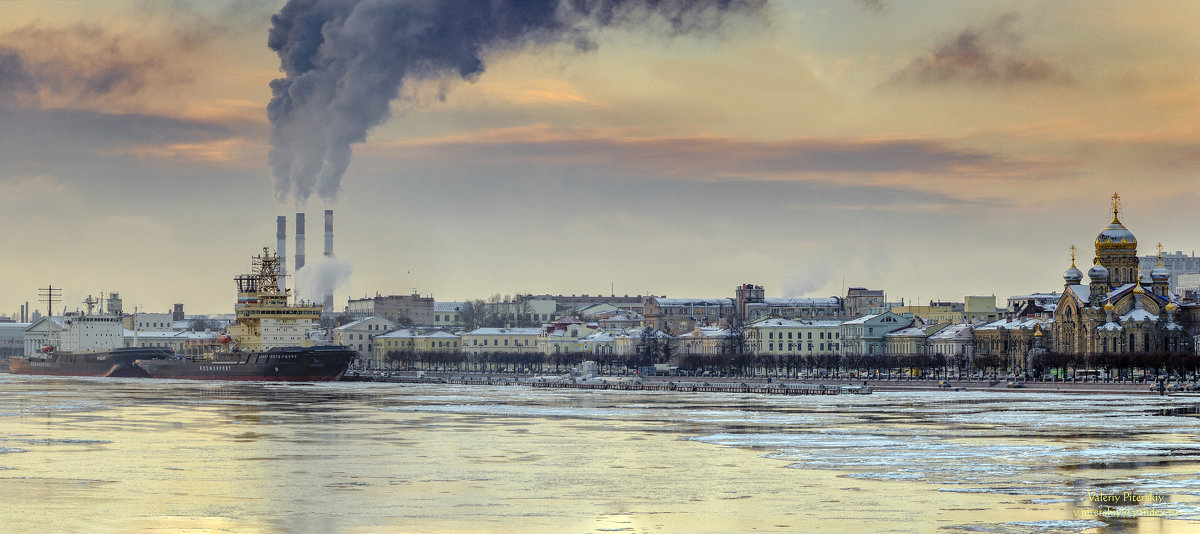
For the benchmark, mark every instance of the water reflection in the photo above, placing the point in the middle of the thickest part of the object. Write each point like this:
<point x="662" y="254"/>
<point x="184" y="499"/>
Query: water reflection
<point x="121" y="455"/>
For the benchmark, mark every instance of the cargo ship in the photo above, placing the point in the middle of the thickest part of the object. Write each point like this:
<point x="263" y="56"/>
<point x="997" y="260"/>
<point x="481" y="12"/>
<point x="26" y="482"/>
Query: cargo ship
<point x="90" y="344"/>
<point x="268" y="341"/>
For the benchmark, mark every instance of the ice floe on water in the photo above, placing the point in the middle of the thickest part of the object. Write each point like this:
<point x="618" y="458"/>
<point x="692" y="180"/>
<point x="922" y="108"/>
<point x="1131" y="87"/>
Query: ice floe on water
<point x="1051" y="448"/>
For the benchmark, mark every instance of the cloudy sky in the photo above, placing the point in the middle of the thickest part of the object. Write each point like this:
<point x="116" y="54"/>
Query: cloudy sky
<point x="930" y="149"/>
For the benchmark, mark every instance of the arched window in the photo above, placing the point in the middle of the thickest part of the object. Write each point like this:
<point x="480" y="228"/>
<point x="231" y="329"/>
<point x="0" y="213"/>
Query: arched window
<point x="1131" y="347"/>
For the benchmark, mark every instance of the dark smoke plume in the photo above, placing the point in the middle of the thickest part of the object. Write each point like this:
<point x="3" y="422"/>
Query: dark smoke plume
<point x="344" y="61"/>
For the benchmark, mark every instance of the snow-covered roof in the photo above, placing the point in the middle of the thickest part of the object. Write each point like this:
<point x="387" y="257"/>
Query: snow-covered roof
<point x="789" y="323"/>
<point x="353" y="324"/>
<point x="1035" y="296"/>
<point x="56" y="319"/>
<point x="637" y="334"/>
<point x="863" y="319"/>
<point x="628" y="316"/>
<point x="1082" y="293"/>
<point x="397" y="334"/>
<point x="1109" y="327"/>
<point x="802" y="301"/>
<point x="1015" y="324"/>
<point x="707" y="331"/>
<point x="906" y="332"/>
<point x="1139" y="316"/>
<point x="600" y="337"/>
<point x="695" y="302"/>
<point x="504" y="332"/>
<point x="439" y="335"/>
<point x="448" y="306"/>
<point x="954" y="331"/>
<point x="775" y="323"/>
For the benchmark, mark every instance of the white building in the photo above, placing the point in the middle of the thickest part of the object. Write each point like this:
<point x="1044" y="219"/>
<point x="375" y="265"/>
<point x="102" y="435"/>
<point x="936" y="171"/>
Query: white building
<point x="782" y="337"/>
<point x="953" y="342"/>
<point x="358" y="334"/>
<point x="448" y="314"/>
<point x="864" y="335"/>
<point x="153" y="322"/>
<point x="906" y="341"/>
<point x="42" y="332"/>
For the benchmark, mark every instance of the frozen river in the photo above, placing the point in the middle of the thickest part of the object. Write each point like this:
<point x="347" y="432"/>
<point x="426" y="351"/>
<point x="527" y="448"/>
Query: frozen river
<point x="114" y="455"/>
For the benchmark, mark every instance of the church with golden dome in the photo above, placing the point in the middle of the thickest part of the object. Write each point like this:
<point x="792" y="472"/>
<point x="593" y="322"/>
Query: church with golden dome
<point x="1119" y="309"/>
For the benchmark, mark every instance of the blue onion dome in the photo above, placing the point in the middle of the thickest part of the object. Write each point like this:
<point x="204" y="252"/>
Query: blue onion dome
<point x="1115" y="235"/>
<point x="1073" y="275"/>
<point x="1160" y="273"/>
<point x="1098" y="273"/>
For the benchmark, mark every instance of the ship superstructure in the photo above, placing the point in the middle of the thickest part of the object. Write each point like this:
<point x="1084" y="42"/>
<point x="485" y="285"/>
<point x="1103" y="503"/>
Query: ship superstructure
<point x="264" y="320"/>
<point x="90" y="344"/>
<point x="269" y="340"/>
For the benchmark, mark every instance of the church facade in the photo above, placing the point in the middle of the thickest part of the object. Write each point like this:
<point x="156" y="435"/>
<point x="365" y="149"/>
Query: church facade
<point x="1119" y="309"/>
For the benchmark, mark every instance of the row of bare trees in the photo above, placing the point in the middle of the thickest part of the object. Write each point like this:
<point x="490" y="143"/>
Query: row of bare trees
<point x="497" y="311"/>
<point x="658" y="350"/>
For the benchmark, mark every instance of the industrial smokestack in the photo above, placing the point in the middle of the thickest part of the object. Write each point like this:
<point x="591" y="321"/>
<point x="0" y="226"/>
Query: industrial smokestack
<point x="328" y="232"/>
<point x="344" y="61"/>
<point x="327" y="303"/>
<point x="299" y="241"/>
<point x="281" y="250"/>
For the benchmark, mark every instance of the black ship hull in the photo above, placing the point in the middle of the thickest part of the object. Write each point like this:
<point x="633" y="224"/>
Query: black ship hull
<point x="117" y="362"/>
<point x="283" y="364"/>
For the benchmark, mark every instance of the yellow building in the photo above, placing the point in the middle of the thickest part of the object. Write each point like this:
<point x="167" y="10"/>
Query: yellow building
<point x="704" y="340"/>
<point x="980" y="309"/>
<point x="500" y="340"/>
<point x="437" y="342"/>
<point x="394" y="341"/>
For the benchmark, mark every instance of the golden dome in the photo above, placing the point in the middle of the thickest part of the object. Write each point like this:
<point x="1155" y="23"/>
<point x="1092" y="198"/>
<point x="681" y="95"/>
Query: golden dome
<point x="1171" y="306"/>
<point x="1108" y="306"/>
<point x="1138" y="289"/>
<point x="1115" y="235"/>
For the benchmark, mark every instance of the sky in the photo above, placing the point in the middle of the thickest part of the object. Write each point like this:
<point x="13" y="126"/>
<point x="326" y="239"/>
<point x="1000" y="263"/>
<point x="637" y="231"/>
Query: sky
<point x="929" y="149"/>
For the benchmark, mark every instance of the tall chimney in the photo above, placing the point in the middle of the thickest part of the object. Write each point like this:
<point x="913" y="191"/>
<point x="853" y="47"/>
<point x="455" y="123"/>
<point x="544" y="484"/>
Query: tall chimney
<point x="327" y="303"/>
<point x="299" y="241"/>
<point x="328" y="232"/>
<point x="281" y="250"/>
